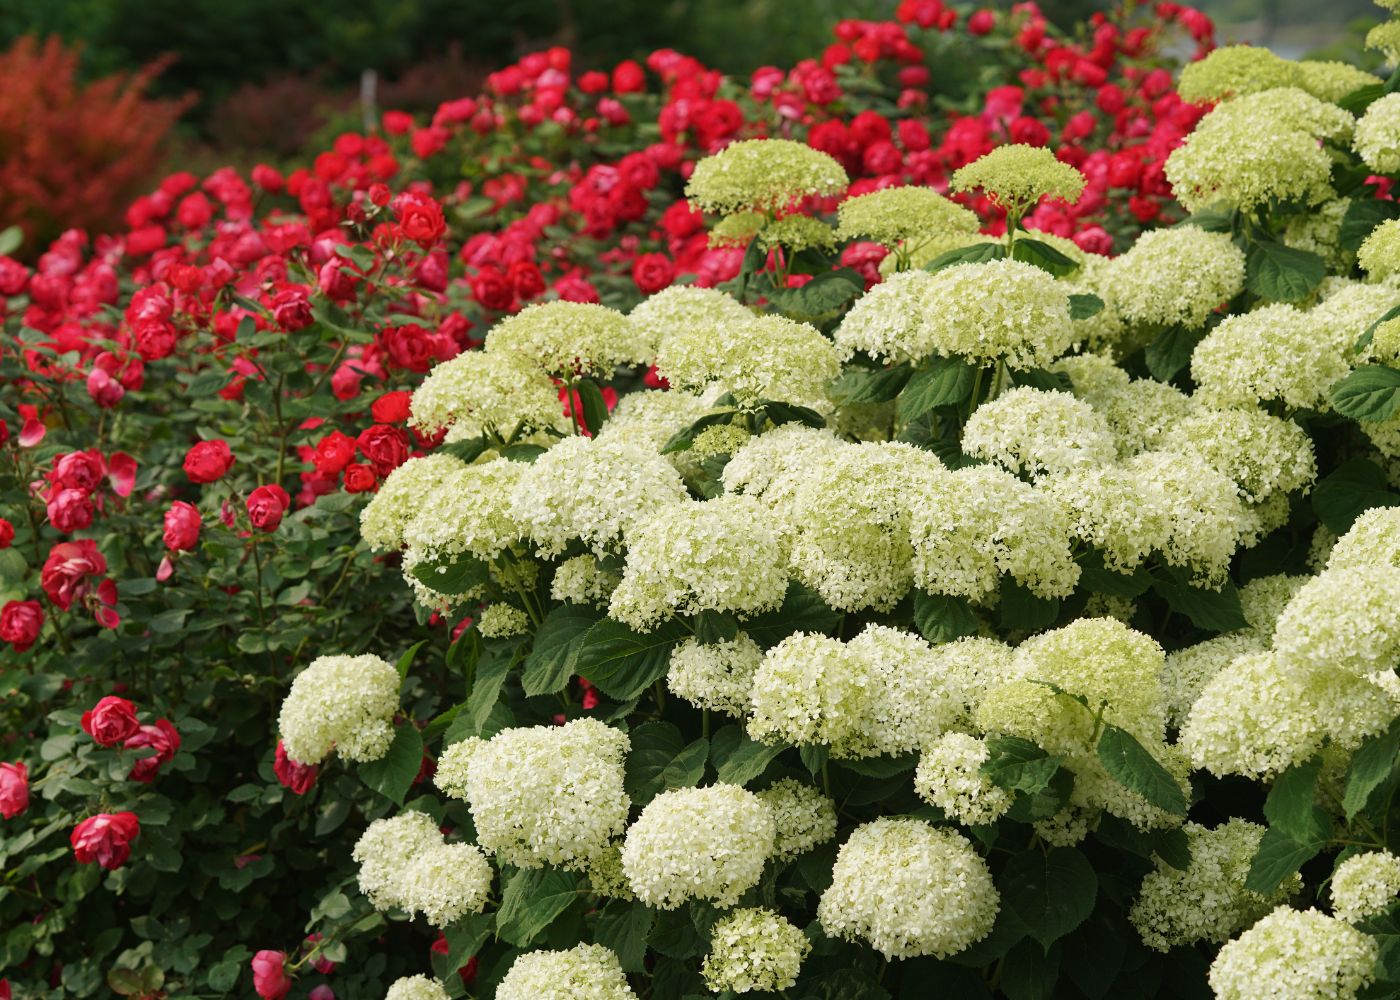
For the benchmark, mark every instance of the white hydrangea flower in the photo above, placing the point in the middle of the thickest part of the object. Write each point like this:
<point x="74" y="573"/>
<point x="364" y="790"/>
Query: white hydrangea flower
<point x="1263" y="600"/>
<point x="1377" y="136"/>
<point x="652" y="417"/>
<point x="950" y="777"/>
<point x="761" y="357"/>
<point x="908" y="888"/>
<point x="385" y="851"/>
<point x="802" y="815"/>
<point x="572" y="338"/>
<point x="1140" y="412"/>
<point x="1208" y="901"/>
<point x="583" y="580"/>
<point x="715" y="555"/>
<point x="543" y="794"/>
<point x="763" y="175"/>
<point x="682" y="307"/>
<point x="1176" y="276"/>
<point x="887" y="322"/>
<point x="340" y="703"/>
<point x="754" y="949"/>
<point x="1261" y="454"/>
<point x="468" y="510"/>
<point x="1274" y="352"/>
<point x="903" y="215"/>
<point x="1067" y="827"/>
<point x="1372" y="540"/>
<point x="999" y="310"/>
<point x="416" y="988"/>
<point x="1295" y="955"/>
<point x="594" y="491"/>
<point x="1330" y="80"/>
<point x="1036" y="432"/>
<point x="445" y="882"/>
<point x="1364" y="885"/>
<point x="912" y="698"/>
<point x="698" y="843"/>
<point x="584" y="972"/>
<point x="1188" y="670"/>
<point x="1344" y="620"/>
<point x="400" y="499"/>
<point x="500" y="620"/>
<point x="487" y="392"/>
<point x="717" y="676"/>
<point x="1234" y="71"/>
<point x="773" y="466"/>
<point x="1017" y="175"/>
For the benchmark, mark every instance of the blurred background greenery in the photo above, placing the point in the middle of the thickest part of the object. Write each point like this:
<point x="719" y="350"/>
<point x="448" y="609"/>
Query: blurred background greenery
<point x="268" y="74"/>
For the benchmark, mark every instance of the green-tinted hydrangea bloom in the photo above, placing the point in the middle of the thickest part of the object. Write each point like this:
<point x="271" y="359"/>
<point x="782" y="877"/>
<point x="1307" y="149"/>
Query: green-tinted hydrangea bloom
<point x="902" y="215"/>
<point x="763" y="175"/>
<point x="1016" y="176"/>
<point x="1234" y="71"/>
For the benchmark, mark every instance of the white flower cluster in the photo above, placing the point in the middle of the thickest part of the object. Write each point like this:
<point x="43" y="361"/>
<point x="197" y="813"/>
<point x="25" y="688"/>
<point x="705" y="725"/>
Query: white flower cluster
<point x="344" y="704"/>
<point x="405" y="863"/>
<point x="542" y="794"/>
<point x="717" y="676"/>
<point x="584" y="972"/>
<point x="698" y="843"/>
<point x="1294" y="955"/>
<point x="416" y="988"/>
<point x="754" y="949"/>
<point x="908" y="888"/>
<point x="950" y="777"/>
<point x="803" y="817"/>
<point x="1364" y="885"/>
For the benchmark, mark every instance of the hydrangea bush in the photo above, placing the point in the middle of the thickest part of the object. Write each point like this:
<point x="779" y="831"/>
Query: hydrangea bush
<point x="766" y="538"/>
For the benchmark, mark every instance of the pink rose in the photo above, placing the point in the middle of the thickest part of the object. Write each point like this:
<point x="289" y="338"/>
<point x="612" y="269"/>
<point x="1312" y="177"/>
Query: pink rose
<point x="182" y="523"/>
<point x="70" y="510"/>
<point x="20" y="622"/>
<point x="105" y="838"/>
<point x="111" y="721"/>
<point x="14" y="789"/>
<point x="163" y="738"/>
<point x="266" y="505"/>
<point x="207" y="461"/>
<point x="270" y="975"/>
<point x="297" y="778"/>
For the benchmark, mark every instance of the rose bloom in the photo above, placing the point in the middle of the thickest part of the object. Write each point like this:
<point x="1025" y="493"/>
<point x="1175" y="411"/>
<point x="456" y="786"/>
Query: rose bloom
<point x="105" y="838"/>
<point x="298" y="778"/>
<point x="266" y="505"/>
<point x="111" y="721"/>
<point x="70" y="510"/>
<point x="207" y="461"/>
<point x="182" y="523"/>
<point x="492" y="289"/>
<point x="320" y="963"/>
<point x="360" y="478"/>
<point x="65" y="572"/>
<point x="391" y="408"/>
<point x="79" y="470"/>
<point x="334" y="452"/>
<point x="20" y="622"/>
<point x="420" y="218"/>
<point x="385" y="447"/>
<point x="163" y="738"/>
<point x="270" y="975"/>
<point x="14" y="789"/>
<point x="292" y="309"/>
<point x="652" y="272"/>
<point x="7" y="533"/>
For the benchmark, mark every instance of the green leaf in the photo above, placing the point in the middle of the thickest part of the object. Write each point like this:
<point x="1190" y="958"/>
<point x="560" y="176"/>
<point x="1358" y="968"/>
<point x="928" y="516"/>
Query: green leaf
<point x="392" y="775"/>
<point x="1130" y="764"/>
<point x="591" y="402"/>
<point x="1278" y="857"/>
<point x="1084" y="306"/>
<point x="533" y="899"/>
<point x="825" y="293"/>
<point x="1370" y="766"/>
<point x="452" y="575"/>
<point x="555" y="651"/>
<point x="10" y="239"/>
<point x="1352" y="488"/>
<point x="1362" y="216"/>
<point x="755" y="257"/>
<point x="682" y="440"/>
<point x="1363" y="97"/>
<point x="1039" y="378"/>
<point x="1280" y="273"/>
<point x="869" y="385"/>
<point x="1044" y="802"/>
<point x="1173" y="847"/>
<point x="881" y="767"/>
<point x="802" y="610"/>
<point x="737" y="759"/>
<point x="624" y="927"/>
<point x="1018" y="765"/>
<point x="1213" y="610"/>
<point x="660" y="759"/>
<point x="1096" y="578"/>
<point x="779" y="413"/>
<point x="1030" y="972"/>
<point x="977" y="253"/>
<point x="486" y="687"/>
<point x="406" y="660"/>
<point x="1043" y="256"/>
<point x="622" y="663"/>
<point x="465" y="938"/>
<point x="1368" y="335"/>
<point x="1212" y="220"/>
<point x="1170" y="351"/>
<point x="712" y="627"/>
<point x="1049" y="893"/>
<point x="937" y="382"/>
<point x="1371" y="393"/>
<point x="1024" y="611"/>
<point x="1291" y="800"/>
<point x="943" y="618"/>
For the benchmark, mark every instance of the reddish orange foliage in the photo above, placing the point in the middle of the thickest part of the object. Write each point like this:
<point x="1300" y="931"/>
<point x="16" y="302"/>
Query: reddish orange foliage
<point x="73" y="153"/>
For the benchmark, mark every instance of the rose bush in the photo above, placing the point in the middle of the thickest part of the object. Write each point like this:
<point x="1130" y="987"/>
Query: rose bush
<point x="643" y="533"/>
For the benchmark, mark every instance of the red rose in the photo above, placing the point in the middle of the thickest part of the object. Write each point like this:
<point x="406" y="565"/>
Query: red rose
<point x="64" y="576"/>
<point x="182" y="524"/>
<point x="20" y="622"/>
<point x="492" y="289"/>
<point x="981" y="22"/>
<point x="652" y="272"/>
<point x="105" y="838"/>
<point x="270" y="975"/>
<point x="334" y="452"/>
<point x="359" y="478"/>
<point x="526" y="279"/>
<point x="299" y="778"/>
<point x="111" y="721"/>
<point x="7" y="533"/>
<point x="207" y="461"/>
<point x="70" y="510"/>
<point x="79" y="470"/>
<point x="14" y="789"/>
<point x="266" y="505"/>
<point x="391" y="408"/>
<point x="163" y="738"/>
<point x="420" y="218"/>
<point x="628" y="77"/>
<point x="385" y="447"/>
<point x="291" y="308"/>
